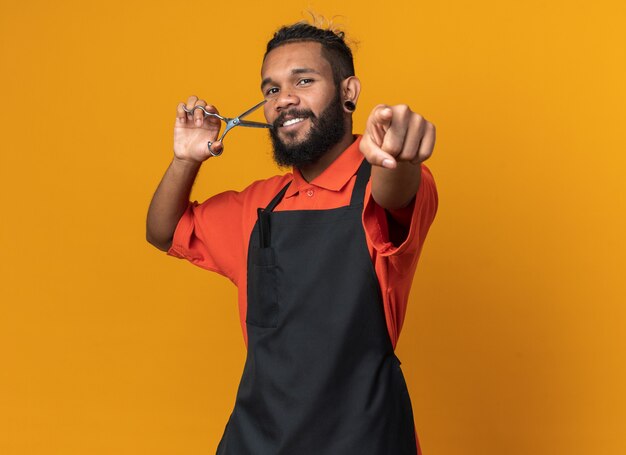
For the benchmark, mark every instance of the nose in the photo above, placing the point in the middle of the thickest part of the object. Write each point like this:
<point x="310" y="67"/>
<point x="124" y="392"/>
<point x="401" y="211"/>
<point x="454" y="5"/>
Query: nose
<point x="286" y="100"/>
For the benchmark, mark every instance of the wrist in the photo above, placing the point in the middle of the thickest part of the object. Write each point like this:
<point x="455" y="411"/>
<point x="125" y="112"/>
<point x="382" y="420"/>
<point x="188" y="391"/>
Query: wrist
<point x="186" y="163"/>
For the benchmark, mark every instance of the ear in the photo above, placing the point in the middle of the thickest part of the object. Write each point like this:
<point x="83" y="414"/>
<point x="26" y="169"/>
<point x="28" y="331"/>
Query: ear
<point x="350" y="89"/>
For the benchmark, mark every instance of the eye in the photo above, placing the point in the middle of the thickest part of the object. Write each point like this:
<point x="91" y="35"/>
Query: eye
<point x="305" y="81"/>
<point x="271" y="91"/>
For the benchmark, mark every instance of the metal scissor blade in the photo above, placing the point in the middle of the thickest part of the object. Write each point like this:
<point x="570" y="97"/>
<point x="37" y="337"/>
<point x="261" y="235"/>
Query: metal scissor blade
<point x="252" y="109"/>
<point x="254" y="124"/>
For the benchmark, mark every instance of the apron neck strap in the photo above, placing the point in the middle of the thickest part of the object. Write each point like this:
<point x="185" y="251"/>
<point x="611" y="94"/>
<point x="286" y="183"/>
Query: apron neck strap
<point x="358" y="193"/>
<point x="362" y="177"/>
<point x="264" y="217"/>
<point x="274" y="202"/>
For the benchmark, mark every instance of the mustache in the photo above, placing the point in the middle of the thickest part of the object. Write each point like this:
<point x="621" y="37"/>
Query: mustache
<point x="301" y="113"/>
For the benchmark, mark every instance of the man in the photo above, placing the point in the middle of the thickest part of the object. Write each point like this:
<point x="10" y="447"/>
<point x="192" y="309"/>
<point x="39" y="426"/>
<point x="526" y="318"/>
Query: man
<point x="323" y="257"/>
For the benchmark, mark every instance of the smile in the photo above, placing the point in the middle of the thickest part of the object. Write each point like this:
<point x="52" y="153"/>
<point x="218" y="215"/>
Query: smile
<point x="292" y="121"/>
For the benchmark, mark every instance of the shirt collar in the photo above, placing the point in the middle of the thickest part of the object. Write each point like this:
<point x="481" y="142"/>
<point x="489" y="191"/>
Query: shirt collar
<point x="335" y="176"/>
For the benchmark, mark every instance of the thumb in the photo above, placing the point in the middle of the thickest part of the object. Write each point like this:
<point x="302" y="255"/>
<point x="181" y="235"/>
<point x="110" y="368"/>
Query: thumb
<point x="375" y="155"/>
<point x="216" y="147"/>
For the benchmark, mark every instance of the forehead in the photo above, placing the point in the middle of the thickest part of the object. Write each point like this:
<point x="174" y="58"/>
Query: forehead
<point x="285" y="58"/>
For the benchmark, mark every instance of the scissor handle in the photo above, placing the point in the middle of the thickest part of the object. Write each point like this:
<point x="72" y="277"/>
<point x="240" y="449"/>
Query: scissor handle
<point x="205" y="112"/>
<point x="209" y="144"/>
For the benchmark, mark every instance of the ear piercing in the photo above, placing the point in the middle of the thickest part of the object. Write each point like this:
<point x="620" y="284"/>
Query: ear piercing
<point x="349" y="105"/>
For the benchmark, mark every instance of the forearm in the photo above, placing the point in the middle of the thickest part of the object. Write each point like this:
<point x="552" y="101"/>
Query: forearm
<point x="393" y="189"/>
<point x="169" y="202"/>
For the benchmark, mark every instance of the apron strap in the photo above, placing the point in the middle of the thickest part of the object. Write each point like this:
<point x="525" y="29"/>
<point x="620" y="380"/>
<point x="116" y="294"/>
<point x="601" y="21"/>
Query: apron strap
<point x="264" y="217"/>
<point x="362" y="177"/>
<point x="358" y="193"/>
<point x="274" y="202"/>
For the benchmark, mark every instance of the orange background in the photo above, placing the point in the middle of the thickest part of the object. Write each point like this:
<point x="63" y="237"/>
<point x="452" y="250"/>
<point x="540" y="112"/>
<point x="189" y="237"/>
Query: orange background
<point x="515" y="335"/>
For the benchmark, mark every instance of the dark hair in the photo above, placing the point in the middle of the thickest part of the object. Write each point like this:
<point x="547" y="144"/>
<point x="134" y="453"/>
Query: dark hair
<point x="334" y="48"/>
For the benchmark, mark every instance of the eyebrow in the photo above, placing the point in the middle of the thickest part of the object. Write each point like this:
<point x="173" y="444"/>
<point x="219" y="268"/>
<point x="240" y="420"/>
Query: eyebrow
<point x="294" y="71"/>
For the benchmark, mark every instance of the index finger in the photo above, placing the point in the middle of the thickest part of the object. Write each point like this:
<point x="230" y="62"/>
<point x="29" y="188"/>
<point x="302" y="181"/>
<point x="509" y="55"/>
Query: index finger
<point x="181" y="115"/>
<point x="209" y="119"/>
<point x="393" y="143"/>
<point x="381" y="116"/>
<point x="378" y="122"/>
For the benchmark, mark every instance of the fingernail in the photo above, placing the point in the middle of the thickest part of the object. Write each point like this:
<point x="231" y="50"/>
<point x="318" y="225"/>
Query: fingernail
<point x="198" y="122"/>
<point x="388" y="163"/>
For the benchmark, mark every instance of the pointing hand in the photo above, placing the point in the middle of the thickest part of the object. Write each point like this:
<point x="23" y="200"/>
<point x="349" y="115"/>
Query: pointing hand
<point x="394" y="134"/>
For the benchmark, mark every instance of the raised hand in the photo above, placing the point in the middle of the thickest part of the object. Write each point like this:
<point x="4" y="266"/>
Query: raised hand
<point x="192" y="132"/>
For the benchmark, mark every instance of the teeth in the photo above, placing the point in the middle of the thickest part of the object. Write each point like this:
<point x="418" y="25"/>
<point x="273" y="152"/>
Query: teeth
<point x="292" y="121"/>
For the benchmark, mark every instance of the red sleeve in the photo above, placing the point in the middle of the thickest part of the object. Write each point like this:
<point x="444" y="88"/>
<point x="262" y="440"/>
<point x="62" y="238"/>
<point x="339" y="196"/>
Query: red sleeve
<point x="421" y="213"/>
<point x="209" y="234"/>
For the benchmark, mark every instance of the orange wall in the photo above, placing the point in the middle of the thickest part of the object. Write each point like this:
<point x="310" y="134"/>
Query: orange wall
<point x="514" y="340"/>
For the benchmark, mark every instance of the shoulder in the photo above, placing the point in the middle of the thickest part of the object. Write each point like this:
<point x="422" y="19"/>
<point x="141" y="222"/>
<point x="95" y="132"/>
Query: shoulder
<point x="268" y="185"/>
<point x="256" y="191"/>
<point x="260" y="192"/>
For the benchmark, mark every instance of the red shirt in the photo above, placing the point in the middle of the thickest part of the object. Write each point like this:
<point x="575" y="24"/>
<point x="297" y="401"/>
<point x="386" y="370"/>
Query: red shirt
<point x="215" y="234"/>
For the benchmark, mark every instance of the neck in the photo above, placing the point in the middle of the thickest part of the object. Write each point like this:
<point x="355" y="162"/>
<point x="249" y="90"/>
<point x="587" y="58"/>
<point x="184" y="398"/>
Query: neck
<point x="311" y="171"/>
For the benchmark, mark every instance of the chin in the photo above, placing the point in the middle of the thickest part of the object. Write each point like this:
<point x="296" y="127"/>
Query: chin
<point x="295" y="137"/>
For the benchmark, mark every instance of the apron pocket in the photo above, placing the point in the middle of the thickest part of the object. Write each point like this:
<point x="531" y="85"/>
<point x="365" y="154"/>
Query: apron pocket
<point x="262" y="289"/>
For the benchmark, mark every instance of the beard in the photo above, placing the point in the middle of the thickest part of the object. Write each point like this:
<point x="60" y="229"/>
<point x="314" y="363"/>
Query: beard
<point x="326" y="131"/>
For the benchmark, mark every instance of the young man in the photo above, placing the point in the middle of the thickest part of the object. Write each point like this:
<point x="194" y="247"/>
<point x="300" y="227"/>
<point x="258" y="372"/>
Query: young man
<point x="323" y="257"/>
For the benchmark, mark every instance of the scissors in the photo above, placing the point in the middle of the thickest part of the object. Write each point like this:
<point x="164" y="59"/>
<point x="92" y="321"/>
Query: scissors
<point x="230" y="122"/>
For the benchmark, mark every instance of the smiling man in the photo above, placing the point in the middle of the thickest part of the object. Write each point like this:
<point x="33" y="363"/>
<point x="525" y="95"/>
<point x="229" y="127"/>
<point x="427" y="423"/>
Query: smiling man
<point x="323" y="256"/>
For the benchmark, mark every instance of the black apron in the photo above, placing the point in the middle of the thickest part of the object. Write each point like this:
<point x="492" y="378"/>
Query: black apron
<point x="321" y="376"/>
